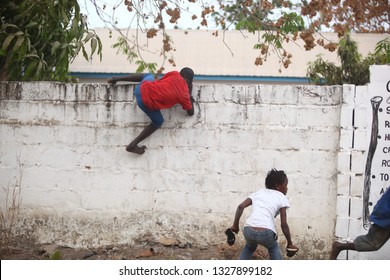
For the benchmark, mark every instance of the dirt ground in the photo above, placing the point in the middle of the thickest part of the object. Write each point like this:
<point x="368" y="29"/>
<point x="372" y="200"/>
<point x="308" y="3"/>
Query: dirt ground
<point x="24" y="248"/>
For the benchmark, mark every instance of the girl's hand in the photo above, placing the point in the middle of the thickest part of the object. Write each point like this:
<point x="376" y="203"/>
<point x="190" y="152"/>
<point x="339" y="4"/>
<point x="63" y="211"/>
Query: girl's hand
<point x="235" y="229"/>
<point x="291" y="250"/>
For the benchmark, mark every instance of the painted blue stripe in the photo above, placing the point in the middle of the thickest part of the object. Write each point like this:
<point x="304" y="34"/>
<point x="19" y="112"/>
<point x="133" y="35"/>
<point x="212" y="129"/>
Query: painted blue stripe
<point x="207" y="77"/>
<point x="253" y="78"/>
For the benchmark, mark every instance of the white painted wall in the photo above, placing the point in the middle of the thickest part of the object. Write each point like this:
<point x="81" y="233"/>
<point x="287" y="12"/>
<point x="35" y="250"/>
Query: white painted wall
<point x="81" y="188"/>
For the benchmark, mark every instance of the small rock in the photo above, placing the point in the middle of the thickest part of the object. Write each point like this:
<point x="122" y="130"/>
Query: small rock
<point x="146" y="254"/>
<point x="88" y="254"/>
<point x="115" y="249"/>
<point x="49" y="249"/>
<point x="168" y="241"/>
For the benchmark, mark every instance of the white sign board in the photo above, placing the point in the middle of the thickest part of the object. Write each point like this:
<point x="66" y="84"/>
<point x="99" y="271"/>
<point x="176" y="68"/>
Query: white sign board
<point x="377" y="169"/>
<point x="377" y="165"/>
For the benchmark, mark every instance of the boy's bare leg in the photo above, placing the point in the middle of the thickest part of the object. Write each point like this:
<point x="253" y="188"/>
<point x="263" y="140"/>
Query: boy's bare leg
<point x="133" y="146"/>
<point x="129" y="78"/>
<point x="337" y="247"/>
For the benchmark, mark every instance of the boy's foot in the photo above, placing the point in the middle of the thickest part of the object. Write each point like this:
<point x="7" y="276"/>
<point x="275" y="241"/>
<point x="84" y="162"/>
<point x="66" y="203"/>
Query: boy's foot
<point x="136" y="149"/>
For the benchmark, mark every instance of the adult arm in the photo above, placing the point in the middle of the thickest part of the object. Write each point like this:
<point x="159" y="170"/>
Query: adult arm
<point x="240" y="209"/>
<point x="191" y="111"/>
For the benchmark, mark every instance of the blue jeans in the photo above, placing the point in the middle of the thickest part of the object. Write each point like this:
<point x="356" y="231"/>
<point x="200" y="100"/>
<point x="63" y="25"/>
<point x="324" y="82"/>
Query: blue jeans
<point x="266" y="238"/>
<point x="155" y="116"/>
<point x="373" y="240"/>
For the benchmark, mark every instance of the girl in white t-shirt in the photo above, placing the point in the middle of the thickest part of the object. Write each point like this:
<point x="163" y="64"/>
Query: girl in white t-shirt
<point x="260" y="227"/>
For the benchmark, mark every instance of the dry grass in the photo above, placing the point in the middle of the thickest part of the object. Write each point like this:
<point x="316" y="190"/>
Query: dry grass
<point x="9" y="210"/>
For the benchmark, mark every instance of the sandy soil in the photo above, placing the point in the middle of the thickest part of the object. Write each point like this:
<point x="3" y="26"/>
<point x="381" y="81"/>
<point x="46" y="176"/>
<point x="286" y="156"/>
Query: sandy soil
<point x="23" y="248"/>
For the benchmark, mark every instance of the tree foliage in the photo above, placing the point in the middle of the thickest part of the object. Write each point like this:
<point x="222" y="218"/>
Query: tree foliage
<point x="278" y="21"/>
<point x="340" y="16"/>
<point x="343" y="16"/>
<point x="354" y="69"/>
<point x="39" y="39"/>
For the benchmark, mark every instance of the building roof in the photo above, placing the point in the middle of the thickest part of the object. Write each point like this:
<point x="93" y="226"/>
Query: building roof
<point x="229" y="56"/>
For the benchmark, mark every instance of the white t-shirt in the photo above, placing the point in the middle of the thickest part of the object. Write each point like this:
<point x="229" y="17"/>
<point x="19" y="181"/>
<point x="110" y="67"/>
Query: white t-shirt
<point x="266" y="204"/>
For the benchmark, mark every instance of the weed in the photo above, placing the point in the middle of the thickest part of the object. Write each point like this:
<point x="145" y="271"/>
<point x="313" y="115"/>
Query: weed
<point x="9" y="210"/>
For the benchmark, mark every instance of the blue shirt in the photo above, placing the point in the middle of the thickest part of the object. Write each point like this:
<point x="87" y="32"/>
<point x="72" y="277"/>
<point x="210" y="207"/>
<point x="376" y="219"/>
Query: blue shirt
<point x="381" y="213"/>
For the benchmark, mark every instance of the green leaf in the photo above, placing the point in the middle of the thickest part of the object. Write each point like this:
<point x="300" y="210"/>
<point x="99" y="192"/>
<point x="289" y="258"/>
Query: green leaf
<point x="10" y="25"/>
<point x="56" y="255"/>
<point x="39" y="68"/>
<point x="7" y="41"/>
<point x="85" y="54"/>
<point x="31" y="55"/>
<point x="278" y="44"/>
<point x="93" y="46"/>
<point x="31" y="68"/>
<point x="31" y="24"/>
<point x="89" y="36"/>
<point x="55" y="47"/>
<point x="19" y="41"/>
<point x="78" y="47"/>
<point x="64" y="17"/>
<point x="100" y="47"/>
